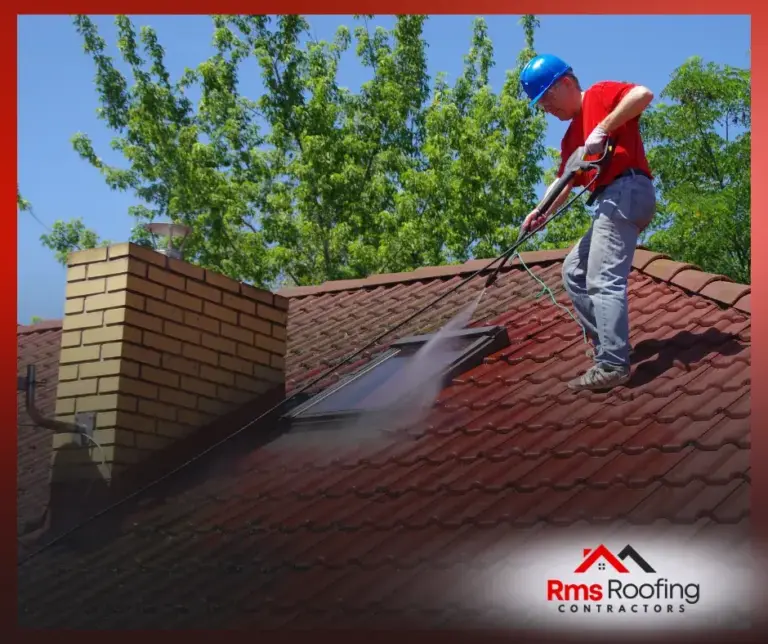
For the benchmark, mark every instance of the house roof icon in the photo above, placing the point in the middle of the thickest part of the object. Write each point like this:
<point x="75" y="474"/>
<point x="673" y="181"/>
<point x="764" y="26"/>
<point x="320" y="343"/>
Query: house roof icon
<point x="601" y="552"/>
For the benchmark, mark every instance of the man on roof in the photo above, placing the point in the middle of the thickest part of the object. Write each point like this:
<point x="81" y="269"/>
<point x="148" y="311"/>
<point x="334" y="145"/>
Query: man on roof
<point x="596" y="271"/>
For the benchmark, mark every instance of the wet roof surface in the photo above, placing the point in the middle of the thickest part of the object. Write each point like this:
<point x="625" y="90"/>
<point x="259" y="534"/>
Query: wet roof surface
<point x="354" y="529"/>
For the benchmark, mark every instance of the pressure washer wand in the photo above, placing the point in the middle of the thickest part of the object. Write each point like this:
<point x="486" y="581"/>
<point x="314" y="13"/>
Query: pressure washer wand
<point x="576" y="165"/>
<point x="569" y="173"/>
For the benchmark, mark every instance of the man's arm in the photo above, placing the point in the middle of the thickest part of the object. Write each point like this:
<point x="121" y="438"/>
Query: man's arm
<point x="536" y="217"/>
<point x="634" y="103"/>
<point x="560" y="198"/>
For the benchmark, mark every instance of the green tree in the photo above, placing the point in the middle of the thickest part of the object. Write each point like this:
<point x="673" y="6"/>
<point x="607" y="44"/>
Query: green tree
<point x="311" y="181"/>
<point x="201" y="169"/>
<point x="65" y="237"/>
<point x="480" y="162"/>
<point x="69" y="236"/>
<point x="335" y="157"/>
<point x="21" y="203"/>
<point x="699" y="145"/>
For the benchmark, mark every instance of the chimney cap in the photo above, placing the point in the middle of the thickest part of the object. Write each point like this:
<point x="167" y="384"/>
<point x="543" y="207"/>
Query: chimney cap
<point x="169" y="230"/>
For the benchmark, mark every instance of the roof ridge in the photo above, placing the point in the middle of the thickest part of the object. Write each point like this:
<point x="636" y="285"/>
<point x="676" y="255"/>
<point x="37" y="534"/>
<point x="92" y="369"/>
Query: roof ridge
<point x="534" y="257"/>
<point x="37" y="327"/>
<point x="689" y="277"/>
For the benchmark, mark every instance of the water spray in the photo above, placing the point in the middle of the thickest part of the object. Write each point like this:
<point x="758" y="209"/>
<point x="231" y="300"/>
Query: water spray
<point x="576" y="165"/>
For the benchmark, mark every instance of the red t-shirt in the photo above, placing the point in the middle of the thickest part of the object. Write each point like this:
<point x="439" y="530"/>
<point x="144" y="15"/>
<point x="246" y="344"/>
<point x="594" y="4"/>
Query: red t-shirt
<point x="599" y="101"/>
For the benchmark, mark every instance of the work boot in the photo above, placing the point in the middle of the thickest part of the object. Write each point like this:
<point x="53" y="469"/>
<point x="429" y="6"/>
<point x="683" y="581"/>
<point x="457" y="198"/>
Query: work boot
<point x="600" y="378"/>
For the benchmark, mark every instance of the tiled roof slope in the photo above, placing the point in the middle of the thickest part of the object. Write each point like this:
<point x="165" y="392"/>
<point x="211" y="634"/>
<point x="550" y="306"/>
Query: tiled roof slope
<point x="37" y="344"/>
<point x="313" y="530"/>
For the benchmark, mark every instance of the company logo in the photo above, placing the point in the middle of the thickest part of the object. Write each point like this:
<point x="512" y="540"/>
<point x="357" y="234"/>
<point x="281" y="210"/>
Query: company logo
<point x="601" y="552"/>
<point x="635" y="588"/>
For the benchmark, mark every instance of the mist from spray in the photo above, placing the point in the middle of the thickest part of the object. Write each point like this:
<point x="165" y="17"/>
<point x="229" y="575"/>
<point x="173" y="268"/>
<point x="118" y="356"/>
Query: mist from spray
<point x="408" y="395"/>
<point x="396" y="395"/>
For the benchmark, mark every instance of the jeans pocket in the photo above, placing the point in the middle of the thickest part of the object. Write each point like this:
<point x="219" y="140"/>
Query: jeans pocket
<point x="611" y="202"/>
<point x="632" y="200"/>
<point x="640" y="208"/>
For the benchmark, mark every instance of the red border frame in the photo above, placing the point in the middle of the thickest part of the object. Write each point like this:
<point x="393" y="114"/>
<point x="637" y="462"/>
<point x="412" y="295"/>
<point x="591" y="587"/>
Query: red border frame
<point x="8" y="65"/>
<point x="8" y="264"/>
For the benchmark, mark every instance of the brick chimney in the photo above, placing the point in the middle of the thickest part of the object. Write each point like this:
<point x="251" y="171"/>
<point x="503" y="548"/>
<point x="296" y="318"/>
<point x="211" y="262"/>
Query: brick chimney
<point x="157" y="348"/>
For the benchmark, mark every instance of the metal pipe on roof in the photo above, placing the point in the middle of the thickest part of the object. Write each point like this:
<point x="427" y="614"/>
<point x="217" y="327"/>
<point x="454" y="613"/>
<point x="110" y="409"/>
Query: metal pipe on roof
<point x="28" y="385"/>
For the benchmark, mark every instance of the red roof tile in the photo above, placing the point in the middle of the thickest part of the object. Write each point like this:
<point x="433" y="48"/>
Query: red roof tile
<point x="330" y="529"/>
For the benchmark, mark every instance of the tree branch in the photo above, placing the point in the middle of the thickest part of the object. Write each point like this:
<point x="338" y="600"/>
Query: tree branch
<point x="708" y="149"/>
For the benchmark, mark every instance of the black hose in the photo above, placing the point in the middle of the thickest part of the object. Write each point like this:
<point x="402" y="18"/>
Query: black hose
<point x="524" y="237"/>
<point x="573" y="167"/>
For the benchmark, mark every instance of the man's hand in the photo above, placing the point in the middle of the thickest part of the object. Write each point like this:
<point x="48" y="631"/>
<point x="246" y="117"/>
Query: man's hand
<point x="536" y="219"/>
<point x="595" y="141"/>
<point x="533" y="220"/>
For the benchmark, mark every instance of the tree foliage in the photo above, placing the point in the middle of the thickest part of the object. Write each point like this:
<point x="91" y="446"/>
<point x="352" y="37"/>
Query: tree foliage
<point x="699" y="146"/>
<point x="64" y="237"/>
<point x="22" y="204"/>
<point x="311" y="181"/>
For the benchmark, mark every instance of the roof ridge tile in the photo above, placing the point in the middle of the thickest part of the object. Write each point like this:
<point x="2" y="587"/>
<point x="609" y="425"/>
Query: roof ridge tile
<point x="667" y="269"/>
<point x="660" y="266"/>
<point x="743" y="304"/>
<point x="643" y="257"/>
<point x="37" y="327"/>
<point x="725" y="291"/>
<point x="691" y="278"/>
<point x="534" y="257"/>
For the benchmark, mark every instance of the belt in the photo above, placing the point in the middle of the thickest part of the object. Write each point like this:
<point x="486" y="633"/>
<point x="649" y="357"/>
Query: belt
<point x="631" y="172"/>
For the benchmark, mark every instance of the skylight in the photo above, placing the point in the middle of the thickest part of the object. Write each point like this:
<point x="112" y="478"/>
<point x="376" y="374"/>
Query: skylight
<point x="394" y="376"/>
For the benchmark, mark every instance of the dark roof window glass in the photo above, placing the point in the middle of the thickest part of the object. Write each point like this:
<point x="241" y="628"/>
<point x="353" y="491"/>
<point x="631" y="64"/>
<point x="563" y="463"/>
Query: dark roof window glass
<point x="401" y="369"/>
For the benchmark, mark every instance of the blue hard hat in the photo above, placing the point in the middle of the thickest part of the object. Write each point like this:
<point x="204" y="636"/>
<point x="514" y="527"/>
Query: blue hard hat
<point x="540" y="73"/>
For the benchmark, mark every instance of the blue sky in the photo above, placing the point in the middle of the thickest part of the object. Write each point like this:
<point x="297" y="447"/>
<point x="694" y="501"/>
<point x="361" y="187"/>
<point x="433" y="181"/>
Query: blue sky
<point x="57" y="98"/>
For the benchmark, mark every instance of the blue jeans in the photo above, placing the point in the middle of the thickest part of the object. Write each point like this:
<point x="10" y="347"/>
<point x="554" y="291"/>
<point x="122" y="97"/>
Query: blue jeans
<point x="596" y="271"/>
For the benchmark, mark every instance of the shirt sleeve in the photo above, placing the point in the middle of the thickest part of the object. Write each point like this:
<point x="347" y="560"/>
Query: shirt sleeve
<point x="611" y="94"/>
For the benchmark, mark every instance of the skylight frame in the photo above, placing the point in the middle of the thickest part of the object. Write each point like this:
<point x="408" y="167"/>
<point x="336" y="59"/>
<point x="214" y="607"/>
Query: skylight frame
<point x="487" y="340"/>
